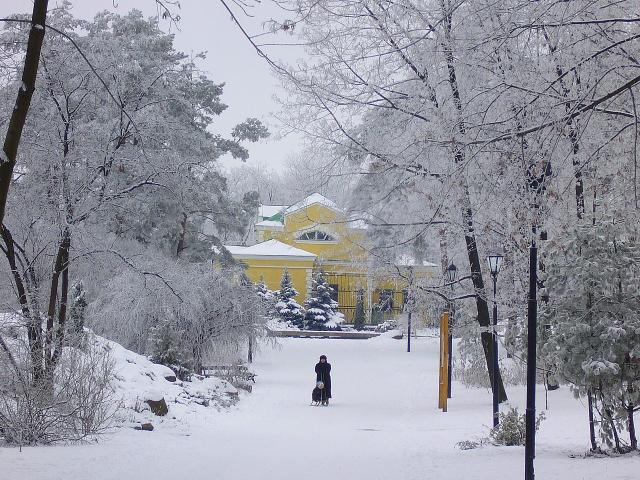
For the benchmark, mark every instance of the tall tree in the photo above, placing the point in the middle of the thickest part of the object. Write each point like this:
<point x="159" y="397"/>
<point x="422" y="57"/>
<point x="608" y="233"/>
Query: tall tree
<point x="96" y="171"/>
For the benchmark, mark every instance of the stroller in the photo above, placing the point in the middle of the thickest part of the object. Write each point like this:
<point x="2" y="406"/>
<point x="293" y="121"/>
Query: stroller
<point x="319" y="395"/>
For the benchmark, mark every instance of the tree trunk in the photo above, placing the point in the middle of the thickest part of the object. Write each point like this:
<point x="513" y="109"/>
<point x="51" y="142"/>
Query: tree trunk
<point x="444" y="258"/>
<point x="614" y="430"/>
<point x="33" y="321"/>
<point x="183" y="234"/>
<point x="19" y="115"/>
<point x="467" y="214"/>
<point x="631" y="426"/>
<point x="62" y="309"/>
<point x="592" y="430"/>
<point x="55" y="333"/>
<point x="633" y="441"/>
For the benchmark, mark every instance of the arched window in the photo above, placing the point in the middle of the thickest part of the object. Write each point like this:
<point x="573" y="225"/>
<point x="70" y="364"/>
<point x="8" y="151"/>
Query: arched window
<point x="316" y="236"/>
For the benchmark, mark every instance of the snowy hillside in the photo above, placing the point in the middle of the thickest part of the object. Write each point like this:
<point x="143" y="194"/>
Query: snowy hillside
<point x="138" y="380"/>
<point x="134" y="384"/>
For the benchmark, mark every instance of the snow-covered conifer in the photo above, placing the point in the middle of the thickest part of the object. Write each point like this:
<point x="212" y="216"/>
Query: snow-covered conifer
<point x="78" y="306"/>
<point x="322" y="311"/>
<point x="594" y="318"/>
<point x="166" y="348"/>
<point x="267" y="298"/>
<point x="287" y="308"/>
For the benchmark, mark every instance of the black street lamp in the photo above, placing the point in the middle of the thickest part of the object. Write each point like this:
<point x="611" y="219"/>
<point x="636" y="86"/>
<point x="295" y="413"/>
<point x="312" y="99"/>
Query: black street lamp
<point x="495" y="262"/>
<point x="409" y="307"/>
<point x="451" y="274"/>
<point x="532" y="328"/>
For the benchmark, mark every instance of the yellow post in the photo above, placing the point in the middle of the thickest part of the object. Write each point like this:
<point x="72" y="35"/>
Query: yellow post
<point x="444" y="361"/>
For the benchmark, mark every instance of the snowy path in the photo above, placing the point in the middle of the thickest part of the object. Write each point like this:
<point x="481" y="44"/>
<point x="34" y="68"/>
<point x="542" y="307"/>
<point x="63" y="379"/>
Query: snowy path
<point x="382" y="424"/>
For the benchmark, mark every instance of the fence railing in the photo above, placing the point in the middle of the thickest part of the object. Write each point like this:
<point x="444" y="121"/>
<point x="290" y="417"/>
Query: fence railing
<point x="321" y="334"/>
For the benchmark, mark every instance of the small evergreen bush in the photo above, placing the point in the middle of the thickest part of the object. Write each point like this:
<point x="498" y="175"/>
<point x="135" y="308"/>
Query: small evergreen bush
<point x="166" y="349"/>
<point x="77" y="308"/>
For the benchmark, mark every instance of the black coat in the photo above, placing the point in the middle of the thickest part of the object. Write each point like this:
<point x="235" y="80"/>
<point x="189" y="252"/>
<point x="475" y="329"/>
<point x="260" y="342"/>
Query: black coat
<point x="323" y="374"/>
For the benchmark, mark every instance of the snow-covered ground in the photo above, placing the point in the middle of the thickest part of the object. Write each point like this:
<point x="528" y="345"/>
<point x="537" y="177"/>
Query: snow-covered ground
<point x="383" y="423"/>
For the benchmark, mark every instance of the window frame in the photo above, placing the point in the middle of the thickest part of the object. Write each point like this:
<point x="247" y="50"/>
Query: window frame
<point x="328" y="237"/>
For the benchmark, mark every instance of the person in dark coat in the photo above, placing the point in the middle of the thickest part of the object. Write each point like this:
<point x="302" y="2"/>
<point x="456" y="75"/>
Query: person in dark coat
<point x="323" y="374"/>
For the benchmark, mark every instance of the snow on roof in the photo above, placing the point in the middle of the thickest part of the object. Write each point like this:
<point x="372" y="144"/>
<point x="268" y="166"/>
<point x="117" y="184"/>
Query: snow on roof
<point x="270" y="248"/>
<point x="407" y="260"/>
<point x="267" y="211"/>
<point x="310" y="200"/>
<point x="269" y="223"/>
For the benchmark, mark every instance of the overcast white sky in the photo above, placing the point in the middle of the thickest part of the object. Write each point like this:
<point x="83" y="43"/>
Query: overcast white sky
<point x="205" y="25"/>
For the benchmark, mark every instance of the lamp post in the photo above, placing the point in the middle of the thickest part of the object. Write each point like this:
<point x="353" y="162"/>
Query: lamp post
<point x="495" y="262"/>
<point x="532" y="328"/>
<point x="451" y="274"/>
<point x="409" y="307"/>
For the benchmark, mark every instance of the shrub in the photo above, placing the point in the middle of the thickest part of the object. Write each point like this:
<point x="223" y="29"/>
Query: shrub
<point x="470" y="444"/>
<point x="512" y="428"/>
<point x="167" y="349"/>
<point x="386" y="326"/>
<point x="75" y="402"/>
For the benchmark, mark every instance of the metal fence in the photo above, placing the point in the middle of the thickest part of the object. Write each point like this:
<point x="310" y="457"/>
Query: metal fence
<point x="385" y="303"/>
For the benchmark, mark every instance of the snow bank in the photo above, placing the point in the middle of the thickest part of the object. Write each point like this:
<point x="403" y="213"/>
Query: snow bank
<point x="137" y="380"/>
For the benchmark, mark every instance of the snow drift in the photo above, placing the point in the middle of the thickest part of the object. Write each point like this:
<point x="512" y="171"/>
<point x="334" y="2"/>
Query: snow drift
<point x="138" y="381"/>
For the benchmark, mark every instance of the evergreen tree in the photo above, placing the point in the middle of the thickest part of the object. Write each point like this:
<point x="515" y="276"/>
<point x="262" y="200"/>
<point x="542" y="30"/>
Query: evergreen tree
<point x="359" y="316"/>
<point x="167" y="349"/>
<point x="287" y="308"/>
<point x="321" y="308"/>
<point x="77" y="308"/>
<point x="267" y="298"/>
<point x="593" y="278"/>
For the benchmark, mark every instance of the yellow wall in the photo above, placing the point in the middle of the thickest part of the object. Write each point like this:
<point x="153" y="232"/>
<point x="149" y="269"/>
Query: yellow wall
<point x="270" y="272"/>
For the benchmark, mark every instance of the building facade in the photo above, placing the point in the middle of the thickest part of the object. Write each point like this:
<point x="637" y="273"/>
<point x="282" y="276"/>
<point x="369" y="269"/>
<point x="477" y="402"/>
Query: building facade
<point x="315" y="234"/>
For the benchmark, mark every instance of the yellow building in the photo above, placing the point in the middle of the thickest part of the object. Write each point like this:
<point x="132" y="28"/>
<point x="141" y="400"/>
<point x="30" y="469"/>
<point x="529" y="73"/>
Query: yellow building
<point x="315" y="234"/>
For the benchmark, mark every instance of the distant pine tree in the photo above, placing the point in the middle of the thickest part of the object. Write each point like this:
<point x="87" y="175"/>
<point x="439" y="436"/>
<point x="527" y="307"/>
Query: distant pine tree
<point x="267" y="298"/>
<point x="359" y="317"/>
<point x="166" y="349"/>
<point x="77" y="308"/>
<point x="286" y="307"/>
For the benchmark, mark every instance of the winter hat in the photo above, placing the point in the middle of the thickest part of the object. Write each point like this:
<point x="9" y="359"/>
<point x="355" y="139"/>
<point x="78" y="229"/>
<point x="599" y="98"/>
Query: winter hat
<point x="323" y="356"/>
